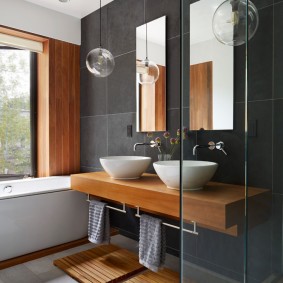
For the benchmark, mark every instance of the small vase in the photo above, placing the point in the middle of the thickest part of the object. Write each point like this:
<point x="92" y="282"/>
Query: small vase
<point x="164" y="156"/>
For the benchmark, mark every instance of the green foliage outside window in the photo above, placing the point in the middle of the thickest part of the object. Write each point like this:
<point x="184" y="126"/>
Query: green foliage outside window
<point x="15" y="136"/>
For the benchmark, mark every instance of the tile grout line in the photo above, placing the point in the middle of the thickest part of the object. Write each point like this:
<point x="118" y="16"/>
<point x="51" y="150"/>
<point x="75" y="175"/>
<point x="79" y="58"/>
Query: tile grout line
<point x="103" y="115"/>
<point x="261" y="100"/>
<point x="126" y="53"/>
<point x="173" y="37"/>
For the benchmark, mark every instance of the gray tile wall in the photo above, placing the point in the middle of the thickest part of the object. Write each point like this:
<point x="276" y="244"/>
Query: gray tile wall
<point x="266" y="150"/>
<point x="108" y="106"/>
<point x="265" y="154"/>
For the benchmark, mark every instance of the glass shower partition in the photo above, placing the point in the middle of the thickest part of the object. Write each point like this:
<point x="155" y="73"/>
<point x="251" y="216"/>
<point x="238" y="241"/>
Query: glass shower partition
<point x="214" y="107"/>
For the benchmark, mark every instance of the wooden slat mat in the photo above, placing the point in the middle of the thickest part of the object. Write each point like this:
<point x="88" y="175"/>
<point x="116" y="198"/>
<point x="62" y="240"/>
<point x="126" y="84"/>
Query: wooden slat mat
<point x="163" y="276"/>
<point x="107" y="263"/>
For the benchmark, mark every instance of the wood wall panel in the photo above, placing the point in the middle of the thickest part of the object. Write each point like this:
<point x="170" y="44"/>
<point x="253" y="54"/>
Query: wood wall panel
<point x="76" y="109"/>
<point x="147" y="108"/>
<point x="160" y="97"/>
<point x="43" y="112"/>
<point x="153" y="104"/>
<point x="59" y="107"/>
<point x="201" y="96"/>
<point x="51" y="118"/>
<point x="63" y="112"/>
<point x="66" y="113"/>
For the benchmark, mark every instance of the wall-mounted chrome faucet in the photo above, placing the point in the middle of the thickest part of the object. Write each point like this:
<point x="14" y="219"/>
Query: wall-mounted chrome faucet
<point x="211" y="145"/>
<point x="151" y="144"/>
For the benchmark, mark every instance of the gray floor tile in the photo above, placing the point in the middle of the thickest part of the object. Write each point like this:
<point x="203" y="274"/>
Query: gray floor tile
<point x="40" y="265"/>
<point x="71" y="251"/>
<point x="80" y="249"/>
<point x="172" y="262"/>
<point x="125" y="243"/>
<point x="63" y="279"/>
<point x="58" y="255"/>
<point x="88" y="246"/>
<point x="18" y="274"/>
<point x="55" y="276"/>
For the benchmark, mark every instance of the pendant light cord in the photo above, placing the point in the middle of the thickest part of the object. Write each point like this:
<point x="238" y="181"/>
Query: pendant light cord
<point x="100" y="24"/>
<point x="146" y="41"/>
<point x="146" y="50"/>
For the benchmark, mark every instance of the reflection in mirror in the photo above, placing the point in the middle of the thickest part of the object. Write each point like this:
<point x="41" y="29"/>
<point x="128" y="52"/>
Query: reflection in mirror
<point x="151" y="98"/>
<point x="211" y="72"/>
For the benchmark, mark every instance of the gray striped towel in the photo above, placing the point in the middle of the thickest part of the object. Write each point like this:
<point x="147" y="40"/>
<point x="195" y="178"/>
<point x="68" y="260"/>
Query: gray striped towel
<point x="152" y="245"/>
<point x="98" y="223"/>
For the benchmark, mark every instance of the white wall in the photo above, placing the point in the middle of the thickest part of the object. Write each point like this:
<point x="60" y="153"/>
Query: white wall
<point x="222" y="57"/>
<point x="156" y="52"/>
<point x="32" y="18"/>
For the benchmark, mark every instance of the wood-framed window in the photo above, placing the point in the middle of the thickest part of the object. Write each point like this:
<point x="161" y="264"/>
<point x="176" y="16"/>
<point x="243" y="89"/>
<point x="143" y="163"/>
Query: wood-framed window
<point x="18" y="92"/>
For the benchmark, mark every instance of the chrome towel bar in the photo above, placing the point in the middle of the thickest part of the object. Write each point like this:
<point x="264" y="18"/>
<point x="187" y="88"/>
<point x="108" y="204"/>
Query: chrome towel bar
<point x="194" y="231"/>
<point x="173" y="226"/>
<point x="111" y="207"/>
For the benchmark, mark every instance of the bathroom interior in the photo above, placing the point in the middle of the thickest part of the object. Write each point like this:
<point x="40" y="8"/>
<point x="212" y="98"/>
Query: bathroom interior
<point x="189" y="94"/>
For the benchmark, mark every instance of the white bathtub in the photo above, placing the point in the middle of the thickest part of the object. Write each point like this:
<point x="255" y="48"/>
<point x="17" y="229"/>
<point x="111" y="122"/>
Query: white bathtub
<point x="39" y="213"/>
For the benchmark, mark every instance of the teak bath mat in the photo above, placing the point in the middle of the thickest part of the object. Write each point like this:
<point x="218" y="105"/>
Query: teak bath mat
<point x="107" y="263"/>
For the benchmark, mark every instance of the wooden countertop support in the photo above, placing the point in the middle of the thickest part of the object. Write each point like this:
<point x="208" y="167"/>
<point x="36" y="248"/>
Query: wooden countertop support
<point x="149" y="193"/>
<point x="218" y="206"/>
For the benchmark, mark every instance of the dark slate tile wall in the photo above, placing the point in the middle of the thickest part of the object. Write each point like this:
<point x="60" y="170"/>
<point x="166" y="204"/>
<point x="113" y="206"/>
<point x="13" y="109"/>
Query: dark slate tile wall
<point x="108" y="106"/>
<point x="265" y="154"/>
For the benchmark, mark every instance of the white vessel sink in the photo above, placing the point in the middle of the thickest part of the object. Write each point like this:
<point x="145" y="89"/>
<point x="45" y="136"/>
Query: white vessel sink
<point x="195" y="173"/>
<point x="125" y="167"/>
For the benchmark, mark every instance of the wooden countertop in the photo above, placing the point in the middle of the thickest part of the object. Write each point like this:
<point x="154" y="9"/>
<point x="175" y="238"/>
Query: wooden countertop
<point x="218" y="206"/>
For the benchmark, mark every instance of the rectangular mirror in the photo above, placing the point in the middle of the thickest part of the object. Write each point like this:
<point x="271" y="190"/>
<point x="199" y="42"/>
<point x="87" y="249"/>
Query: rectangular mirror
<point x="151" y="98"/>
<point x="211" y="72"/>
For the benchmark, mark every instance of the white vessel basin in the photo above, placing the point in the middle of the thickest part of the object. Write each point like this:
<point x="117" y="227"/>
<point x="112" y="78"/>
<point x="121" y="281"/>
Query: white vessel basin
<point x="125" y="167"/>
<point x="195" y="173"/>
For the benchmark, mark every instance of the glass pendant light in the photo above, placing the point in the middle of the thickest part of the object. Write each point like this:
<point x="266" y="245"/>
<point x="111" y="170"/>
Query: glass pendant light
<point x="229" y="22"/>
<point x="148" y="71"/>
<point x="100" y="61"/>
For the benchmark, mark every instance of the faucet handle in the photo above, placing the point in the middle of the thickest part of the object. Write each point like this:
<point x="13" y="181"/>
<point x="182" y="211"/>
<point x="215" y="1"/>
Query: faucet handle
<point x="211" y="145"/>
<point x="153" y="144"/>
<point x="223" y="151"/>
<point x="220" y="146"/>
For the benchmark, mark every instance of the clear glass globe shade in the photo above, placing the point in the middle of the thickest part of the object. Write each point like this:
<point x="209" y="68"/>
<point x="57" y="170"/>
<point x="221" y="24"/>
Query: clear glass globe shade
<point x="149" y="73"/>
<point x="229" y="22"/>
<point x="100" y="62"/>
